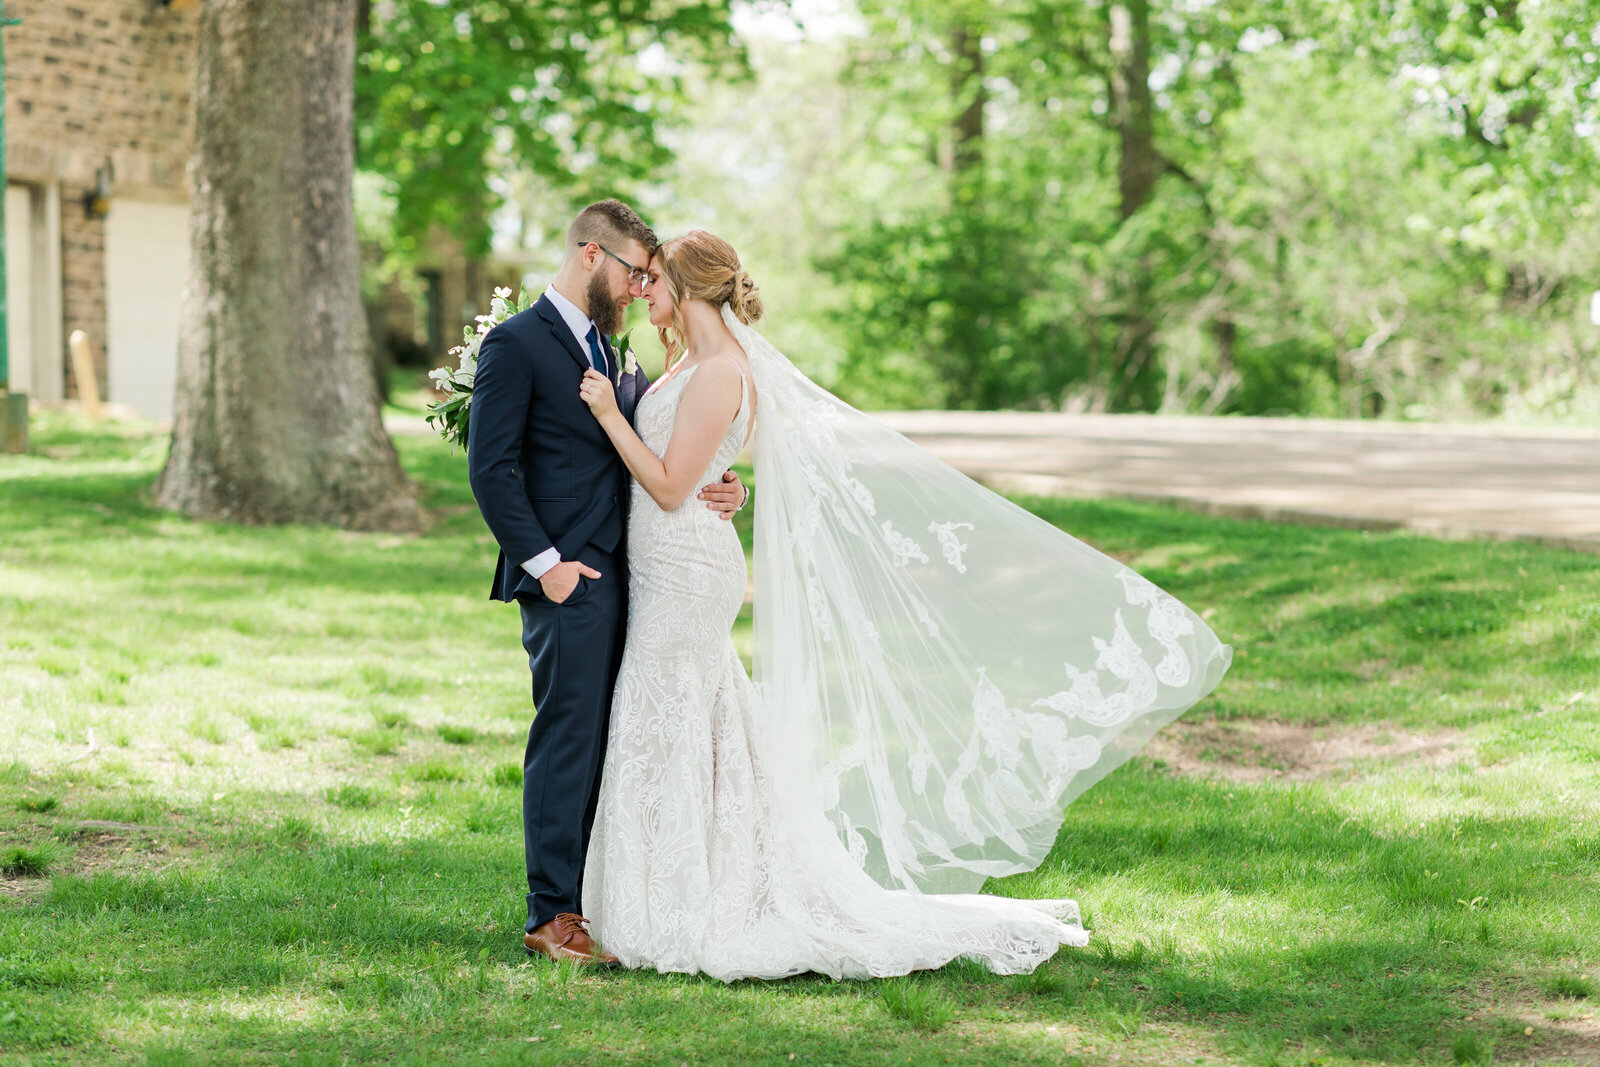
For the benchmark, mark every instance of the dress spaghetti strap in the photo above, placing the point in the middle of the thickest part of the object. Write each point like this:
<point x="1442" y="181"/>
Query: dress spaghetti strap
<point x="744" y="396"/>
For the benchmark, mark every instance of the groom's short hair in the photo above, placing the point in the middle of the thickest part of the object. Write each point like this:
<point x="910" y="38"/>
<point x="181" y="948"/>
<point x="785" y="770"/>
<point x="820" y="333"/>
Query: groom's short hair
<point x="610" y="223"/>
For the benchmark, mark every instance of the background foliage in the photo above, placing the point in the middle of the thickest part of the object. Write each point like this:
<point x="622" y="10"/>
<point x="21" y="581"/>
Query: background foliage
<point x="462" y="103"/>
<point x="1236" y="206"/>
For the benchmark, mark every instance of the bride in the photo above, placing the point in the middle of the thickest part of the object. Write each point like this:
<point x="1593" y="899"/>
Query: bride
<point x="938" y="673"/>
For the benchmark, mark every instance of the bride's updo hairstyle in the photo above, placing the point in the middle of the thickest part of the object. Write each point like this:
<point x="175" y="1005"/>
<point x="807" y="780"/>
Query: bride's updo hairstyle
<point x="704" y="266"/>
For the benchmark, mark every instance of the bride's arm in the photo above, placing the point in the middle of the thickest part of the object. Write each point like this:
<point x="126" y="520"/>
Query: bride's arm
<point x="709" y="405"/>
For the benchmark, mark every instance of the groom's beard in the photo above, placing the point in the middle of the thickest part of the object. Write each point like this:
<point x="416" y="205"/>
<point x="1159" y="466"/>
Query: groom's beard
<point x="604" y="307"/>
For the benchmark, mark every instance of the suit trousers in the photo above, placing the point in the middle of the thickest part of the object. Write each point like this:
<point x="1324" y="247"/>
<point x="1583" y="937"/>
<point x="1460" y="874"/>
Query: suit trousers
<point x="574" y="652"/>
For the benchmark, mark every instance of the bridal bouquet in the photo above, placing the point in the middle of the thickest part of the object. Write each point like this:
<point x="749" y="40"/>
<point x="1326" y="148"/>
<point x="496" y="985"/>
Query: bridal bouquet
<point x="449" y="414"/>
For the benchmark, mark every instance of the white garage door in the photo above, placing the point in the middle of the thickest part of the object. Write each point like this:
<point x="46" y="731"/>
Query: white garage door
<point x="147" y="265"/>
<point x="19" y="289"/>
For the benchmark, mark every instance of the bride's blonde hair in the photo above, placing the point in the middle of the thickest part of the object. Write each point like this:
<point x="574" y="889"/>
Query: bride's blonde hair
<point x="704" y="266"/>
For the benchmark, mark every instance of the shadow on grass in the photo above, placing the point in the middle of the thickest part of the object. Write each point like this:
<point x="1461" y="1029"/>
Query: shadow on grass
<point x="64" y="507"/>
<point x="1387" y="940"/>
<point x="1267" y="920"/>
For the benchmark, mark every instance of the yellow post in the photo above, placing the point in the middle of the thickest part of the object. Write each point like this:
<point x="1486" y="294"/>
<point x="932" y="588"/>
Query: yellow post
<point x="83" y="373"/>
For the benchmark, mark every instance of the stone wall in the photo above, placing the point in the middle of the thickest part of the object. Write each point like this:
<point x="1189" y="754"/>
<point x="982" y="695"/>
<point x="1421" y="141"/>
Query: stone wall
<point x="91" y="83"/>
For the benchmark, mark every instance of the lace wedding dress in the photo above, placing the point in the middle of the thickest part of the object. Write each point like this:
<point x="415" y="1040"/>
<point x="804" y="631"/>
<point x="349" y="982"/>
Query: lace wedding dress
<point x="798" y="824"/>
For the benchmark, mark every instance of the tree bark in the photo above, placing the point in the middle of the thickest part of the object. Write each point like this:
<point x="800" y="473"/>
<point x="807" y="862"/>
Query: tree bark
<point x="1138" y="165"/>
<point x="966" y="83"/>
<point x="277" y="418"/>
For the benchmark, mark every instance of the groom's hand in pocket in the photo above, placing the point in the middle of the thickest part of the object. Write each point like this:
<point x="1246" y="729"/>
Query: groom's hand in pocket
<point x="559" y="581"/>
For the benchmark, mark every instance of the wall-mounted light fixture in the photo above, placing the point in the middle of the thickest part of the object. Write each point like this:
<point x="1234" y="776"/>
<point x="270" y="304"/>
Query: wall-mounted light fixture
<point x="97" y="201"/>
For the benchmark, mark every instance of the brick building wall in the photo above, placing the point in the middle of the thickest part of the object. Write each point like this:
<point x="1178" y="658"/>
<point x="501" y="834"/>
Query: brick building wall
<point x="92" y="84"/>
<point x="108" y="84"/>
<point x="83" y="287"/>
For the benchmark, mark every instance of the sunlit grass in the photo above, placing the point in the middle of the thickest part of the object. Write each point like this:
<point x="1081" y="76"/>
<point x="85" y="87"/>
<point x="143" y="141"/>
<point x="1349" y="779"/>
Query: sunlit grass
<point x="297" y="828"/>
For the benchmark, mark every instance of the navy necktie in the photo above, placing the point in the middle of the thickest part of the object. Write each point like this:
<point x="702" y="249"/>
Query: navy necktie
<point x="596" y="353"/>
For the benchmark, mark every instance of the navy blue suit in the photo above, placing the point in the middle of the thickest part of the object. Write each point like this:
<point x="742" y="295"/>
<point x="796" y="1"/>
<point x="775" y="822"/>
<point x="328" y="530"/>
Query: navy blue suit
<point x="545" y="474"/>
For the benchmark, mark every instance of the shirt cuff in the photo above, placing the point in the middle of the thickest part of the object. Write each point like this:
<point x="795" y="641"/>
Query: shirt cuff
<point x="538" y="565"/>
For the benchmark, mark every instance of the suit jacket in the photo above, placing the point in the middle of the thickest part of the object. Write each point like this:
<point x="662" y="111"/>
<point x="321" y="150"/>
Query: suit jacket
<point x="543" y="471"/>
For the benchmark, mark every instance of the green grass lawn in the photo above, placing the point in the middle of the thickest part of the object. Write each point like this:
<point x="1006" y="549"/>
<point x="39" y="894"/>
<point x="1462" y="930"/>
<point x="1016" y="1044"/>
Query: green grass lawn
<point x="296" y="830"/>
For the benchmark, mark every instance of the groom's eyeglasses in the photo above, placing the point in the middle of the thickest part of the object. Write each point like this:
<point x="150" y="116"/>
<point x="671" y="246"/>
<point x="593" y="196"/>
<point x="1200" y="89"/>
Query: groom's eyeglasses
<point x="635" y="274"/>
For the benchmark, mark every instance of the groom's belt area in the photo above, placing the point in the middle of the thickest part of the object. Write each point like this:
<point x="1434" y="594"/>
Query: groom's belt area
<point x="557" y="474"/>
<point x="572" y="522"/>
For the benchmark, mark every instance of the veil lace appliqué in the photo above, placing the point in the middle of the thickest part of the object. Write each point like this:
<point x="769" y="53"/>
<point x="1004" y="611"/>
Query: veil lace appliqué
<point x="940" y="671"/>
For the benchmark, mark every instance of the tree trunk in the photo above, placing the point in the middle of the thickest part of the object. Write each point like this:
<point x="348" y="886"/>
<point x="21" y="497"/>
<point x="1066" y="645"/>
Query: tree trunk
<point x="1137" y="168"/>
<point x="966" y="83"/>
<point x="1137" y="164"/>
<point x="277" y="418"/>
<point x="969" y="334"/>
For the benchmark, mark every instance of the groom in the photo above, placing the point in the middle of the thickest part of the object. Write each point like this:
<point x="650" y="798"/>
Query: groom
<point x="554" y="493"/>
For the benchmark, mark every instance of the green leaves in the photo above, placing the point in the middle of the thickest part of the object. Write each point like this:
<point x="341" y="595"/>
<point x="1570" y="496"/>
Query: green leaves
<point x="1339" y="210"/>
<point x="453" y="94"/>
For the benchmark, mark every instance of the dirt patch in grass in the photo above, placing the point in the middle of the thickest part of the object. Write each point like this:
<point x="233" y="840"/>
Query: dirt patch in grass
<point x="1254" y="751"/>
<point x="126" y="851"/>
<point x="94" y="845"/>
<point x="23" y="886"/>
<point x="1576" y="1043"/>
<point x="1565" y="1030"/>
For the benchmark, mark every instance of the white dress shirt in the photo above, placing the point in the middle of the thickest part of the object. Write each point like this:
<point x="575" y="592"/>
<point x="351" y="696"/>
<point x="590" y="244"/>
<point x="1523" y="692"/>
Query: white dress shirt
<point x="580" y="324"/>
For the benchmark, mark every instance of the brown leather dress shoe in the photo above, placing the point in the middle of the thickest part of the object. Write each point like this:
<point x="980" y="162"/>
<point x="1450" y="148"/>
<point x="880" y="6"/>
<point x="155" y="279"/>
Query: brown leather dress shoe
<point x="564" y="938"/>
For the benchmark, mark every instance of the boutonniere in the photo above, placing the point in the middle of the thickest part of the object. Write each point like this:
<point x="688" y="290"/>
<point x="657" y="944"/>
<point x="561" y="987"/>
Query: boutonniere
<point x="622" y="350"/>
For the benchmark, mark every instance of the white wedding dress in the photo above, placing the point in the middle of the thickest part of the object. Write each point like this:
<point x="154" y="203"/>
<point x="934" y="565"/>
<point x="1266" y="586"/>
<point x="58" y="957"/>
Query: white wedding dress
<point x="764" y="830"/>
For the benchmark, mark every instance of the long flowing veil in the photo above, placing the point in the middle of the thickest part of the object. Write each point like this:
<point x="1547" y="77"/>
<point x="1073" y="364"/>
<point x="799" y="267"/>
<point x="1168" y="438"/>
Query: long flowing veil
<point x="940" y="671"/>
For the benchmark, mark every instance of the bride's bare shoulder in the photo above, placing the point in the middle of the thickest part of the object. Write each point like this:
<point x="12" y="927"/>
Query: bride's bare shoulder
<point x="723" y="364"/>
<point x="733" y="356"/>
<point x="717" y="373"/>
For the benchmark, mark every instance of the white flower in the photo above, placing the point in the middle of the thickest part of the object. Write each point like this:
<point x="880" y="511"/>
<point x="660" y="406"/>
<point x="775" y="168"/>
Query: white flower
<point x="456" y="384"/>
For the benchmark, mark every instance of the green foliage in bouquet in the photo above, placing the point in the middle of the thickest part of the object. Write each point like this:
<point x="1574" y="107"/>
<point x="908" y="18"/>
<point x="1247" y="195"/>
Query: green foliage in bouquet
<point x="450" y="414"/>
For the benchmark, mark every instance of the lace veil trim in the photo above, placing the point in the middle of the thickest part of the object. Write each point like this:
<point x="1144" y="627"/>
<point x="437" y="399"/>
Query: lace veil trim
<point x="940" y="672"/>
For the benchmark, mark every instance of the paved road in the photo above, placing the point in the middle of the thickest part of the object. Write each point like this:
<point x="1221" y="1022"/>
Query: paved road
<point x="1448" y="481"/>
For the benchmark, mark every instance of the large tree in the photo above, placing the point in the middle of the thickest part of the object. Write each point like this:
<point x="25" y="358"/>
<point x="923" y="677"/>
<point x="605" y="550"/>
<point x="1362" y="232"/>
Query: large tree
<point x="277" y="416"/>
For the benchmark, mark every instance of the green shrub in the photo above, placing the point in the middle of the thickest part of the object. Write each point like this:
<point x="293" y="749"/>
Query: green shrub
<point x="28" y="859"/>
<point x="917" y="1003"/>
<point x="352" y="795"/>
<point x="1572" y="986"/>
<point x="458" y="735"/>
<point x="437" y="771"/>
